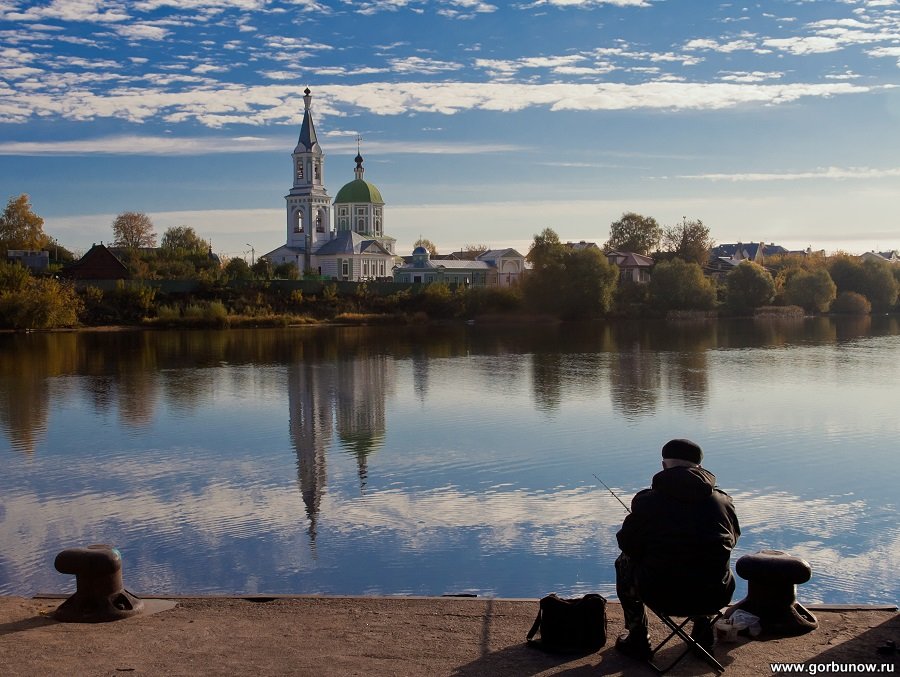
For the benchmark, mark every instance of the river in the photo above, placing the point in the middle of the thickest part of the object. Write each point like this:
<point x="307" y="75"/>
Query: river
<point x="433" y="460"/>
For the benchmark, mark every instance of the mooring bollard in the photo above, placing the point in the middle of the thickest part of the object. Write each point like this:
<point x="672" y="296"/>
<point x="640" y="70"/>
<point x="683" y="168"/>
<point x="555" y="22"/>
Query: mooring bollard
<point x="772" y="578"/>
<point x="100" y="595"/>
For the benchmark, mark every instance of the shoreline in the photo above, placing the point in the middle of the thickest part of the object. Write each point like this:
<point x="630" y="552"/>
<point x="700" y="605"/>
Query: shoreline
<point x="323" y="636"/>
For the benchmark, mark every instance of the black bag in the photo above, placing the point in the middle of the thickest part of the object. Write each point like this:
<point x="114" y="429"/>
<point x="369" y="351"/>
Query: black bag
<point x="570" y="625"/>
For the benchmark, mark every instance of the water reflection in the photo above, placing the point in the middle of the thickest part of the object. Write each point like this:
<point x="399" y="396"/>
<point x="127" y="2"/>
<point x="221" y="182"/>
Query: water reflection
<point x="439" y="459"/>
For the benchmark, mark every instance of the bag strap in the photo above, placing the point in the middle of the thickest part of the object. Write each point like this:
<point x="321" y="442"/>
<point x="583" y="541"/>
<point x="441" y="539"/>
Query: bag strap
<point x="534" y="628"/>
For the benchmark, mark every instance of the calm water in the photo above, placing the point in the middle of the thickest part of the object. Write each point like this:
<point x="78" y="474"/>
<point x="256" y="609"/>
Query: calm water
<point x="440" y="460"/>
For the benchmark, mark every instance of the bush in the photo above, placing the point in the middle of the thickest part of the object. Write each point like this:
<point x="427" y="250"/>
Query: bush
<point x="851" y="303"/>
<point x="37" y="303"/>
<point x="749" y="286"/>
<point x="677" y="285"/>
<point x="813" y="290"/>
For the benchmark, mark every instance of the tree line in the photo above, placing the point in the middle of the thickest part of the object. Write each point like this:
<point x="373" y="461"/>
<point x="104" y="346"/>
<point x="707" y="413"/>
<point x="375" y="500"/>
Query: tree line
<point x="565" y="282"/>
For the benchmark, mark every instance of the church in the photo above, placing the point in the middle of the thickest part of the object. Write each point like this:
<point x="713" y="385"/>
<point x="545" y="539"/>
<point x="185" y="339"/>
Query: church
<point x="343" y="241"/>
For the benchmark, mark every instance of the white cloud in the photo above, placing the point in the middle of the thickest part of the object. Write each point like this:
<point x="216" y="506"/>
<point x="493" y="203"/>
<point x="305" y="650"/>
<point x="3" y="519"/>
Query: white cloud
<point x="193" y="146"/>
<point x="89" y="11"/>
<point x="832" y="173"/>
<point x="221" y="104"/>
<point x="141" y="31"/>
<point x="417" y="64"/>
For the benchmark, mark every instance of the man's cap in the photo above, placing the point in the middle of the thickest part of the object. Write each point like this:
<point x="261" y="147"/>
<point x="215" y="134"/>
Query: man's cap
<point x="684" y="450"/>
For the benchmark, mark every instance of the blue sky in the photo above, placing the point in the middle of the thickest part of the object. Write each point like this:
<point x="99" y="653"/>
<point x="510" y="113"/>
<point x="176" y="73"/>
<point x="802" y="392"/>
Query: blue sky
<point x="482" y="122"/>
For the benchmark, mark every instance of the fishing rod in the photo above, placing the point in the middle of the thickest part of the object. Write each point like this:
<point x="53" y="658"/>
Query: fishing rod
<point x="627" y="509"/>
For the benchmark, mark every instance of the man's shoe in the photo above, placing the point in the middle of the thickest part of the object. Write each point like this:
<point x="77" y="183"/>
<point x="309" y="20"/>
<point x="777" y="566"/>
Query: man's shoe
<point x="702" y="633"/>
<point x="634" y="645"/>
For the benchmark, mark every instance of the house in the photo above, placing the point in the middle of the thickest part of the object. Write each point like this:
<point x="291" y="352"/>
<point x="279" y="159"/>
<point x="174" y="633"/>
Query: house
<point x="493" y="268"/>
<point x="581" y="245"/>
<point x="754" y="251"/>
<point x="891" y="257"/>
<point x="346" y="241"/>
<point x="632" y="267"/>
<point x="35" y="261"/>
<point x="98" y="263"/>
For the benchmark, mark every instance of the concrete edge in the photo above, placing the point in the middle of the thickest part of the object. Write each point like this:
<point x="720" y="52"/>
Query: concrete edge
<point x="258" y="597"/>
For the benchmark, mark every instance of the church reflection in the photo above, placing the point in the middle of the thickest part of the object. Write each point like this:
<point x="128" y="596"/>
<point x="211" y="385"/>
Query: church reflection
<point x="341" y="400"/>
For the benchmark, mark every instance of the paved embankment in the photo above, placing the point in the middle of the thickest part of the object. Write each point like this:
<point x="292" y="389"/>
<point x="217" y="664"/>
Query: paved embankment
<point x="324" y="636"/>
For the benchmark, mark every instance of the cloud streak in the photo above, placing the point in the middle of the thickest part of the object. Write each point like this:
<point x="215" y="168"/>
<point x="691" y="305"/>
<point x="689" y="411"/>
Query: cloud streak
<point x="216" y="106"/>
<point x="830" y="173"/>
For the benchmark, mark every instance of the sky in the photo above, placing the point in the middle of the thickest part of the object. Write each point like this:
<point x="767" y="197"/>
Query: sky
<point x="480" y="122"/>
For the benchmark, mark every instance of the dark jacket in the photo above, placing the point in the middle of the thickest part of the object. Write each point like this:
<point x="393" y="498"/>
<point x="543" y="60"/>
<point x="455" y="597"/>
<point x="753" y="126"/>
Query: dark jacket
<point x="679" y="537"/>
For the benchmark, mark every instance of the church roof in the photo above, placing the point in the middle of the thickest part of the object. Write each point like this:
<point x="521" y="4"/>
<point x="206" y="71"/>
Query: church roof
<point x="307" y="140"/>
<point x="359" y="191"/>
<point x="350" y="242"/>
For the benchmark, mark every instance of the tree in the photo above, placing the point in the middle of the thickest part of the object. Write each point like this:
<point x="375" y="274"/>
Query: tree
<point x="428" y="244"/>
<point x="879" y="284"/>
<point x="184" y="239"/>
<point x="872" y="279"/>
<point x="27" y="302"/>
<point x="574" y="284"/>
<point x="851" y="303"/>
<point x="477" y="249"/>
<point x="587" y="285"/>
<point x="546" y="250"/>
<point x="689" y="241"/>
<point x="749" y="286"/>
<point x="133" y="230"/>
<point x="286" y="271"/>
<point x="813" y="290"/>
<point x="237" y="269"/>
<point x="678" y="285"/>
<point x="20" y="227"/>
<point x="262" y="269"/>
<point x="634" y="233"/>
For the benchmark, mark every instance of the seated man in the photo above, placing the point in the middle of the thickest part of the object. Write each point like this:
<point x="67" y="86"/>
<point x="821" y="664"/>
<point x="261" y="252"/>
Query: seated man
<point x="676" y="544"/>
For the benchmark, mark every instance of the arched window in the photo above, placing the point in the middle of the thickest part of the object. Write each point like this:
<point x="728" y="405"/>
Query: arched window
<point x="360" y="225"/>
<point x="298" y="221"/>
<point x="300" y="169"/>
<point x="320" y="226"/>
<point x="318" y="173"/>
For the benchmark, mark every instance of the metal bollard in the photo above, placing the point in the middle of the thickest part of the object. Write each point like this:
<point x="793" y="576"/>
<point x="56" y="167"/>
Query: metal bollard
<point x="100" y="595"/>
<point x="772" y="578"/>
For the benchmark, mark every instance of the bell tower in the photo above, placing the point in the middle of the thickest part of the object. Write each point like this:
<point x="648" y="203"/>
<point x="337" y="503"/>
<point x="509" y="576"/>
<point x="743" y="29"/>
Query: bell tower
<point x="308" y="203"/>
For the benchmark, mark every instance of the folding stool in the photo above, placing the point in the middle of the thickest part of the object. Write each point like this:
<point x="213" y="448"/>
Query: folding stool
<point x="692" y="645"/>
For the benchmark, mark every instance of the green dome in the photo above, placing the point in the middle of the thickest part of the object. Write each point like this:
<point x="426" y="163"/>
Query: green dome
<point x="359" y="191"/>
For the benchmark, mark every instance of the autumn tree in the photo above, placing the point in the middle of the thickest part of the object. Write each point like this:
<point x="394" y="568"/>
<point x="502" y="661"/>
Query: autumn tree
<point x="634" y="233"/>
<point x="28" y="302"/>
<point x="812" y="290"/>
<point x="133" y="230"/>
<point x="679" y="285"/>
<point x="428" y="244"/>
<point x="749" y="286"/>
<point x="20" y="227"/>
<point x="689" y="241"/>
<point x="872" y="279"/>
<point x="184" y="239"/>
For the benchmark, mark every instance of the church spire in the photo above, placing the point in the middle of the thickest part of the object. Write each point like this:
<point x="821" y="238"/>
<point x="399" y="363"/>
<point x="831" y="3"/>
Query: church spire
<point x="307" y="140"/>
<point x="359" y="171"/>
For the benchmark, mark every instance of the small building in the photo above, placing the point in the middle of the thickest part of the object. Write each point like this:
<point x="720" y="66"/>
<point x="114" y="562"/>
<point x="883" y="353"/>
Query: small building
<point x="36" y="261"/>
<point x="493" y="268"/>
<point x="98" y="263"/>
<point x="632" y="267"/>
<point x="891" y="257"/>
